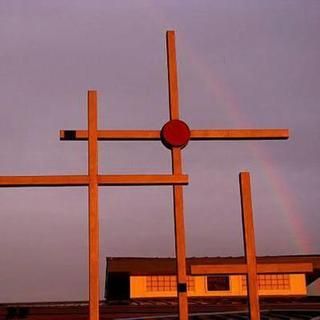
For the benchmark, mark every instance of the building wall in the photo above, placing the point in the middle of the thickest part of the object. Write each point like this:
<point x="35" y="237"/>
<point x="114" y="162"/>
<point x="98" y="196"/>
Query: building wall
<point x="164" y="286"/>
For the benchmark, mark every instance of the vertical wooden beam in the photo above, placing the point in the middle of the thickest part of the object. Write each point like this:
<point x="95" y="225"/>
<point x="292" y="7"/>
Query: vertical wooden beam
<point x="249" y="244"/>
<point x="93" y="207"/>
<point x="172" y="76"/>
<point x="180" y="242"/>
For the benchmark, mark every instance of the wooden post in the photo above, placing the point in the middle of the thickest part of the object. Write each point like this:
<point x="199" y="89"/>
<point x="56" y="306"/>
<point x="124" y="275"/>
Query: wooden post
<point x="180" y="242"/>
<point x="176" y="155"/>
<point x="93" y="207"/>
<point x="249" y="245"/>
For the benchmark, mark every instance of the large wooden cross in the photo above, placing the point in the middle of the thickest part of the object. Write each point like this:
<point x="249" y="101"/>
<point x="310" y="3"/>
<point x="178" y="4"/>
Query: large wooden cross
<point x="250" y="268"/>
<point x="175" y="135"/>
<point x="92" y="180"/>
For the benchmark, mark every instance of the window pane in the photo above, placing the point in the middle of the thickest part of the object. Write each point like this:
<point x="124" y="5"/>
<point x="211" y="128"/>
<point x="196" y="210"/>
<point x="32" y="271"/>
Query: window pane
<point x="218" y="283"/>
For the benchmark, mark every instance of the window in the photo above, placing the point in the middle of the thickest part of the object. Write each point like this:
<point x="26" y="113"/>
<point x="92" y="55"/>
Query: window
<point x="218" y="283"/>
<point x="167" y="283"/>
<point x="270" y="282"/>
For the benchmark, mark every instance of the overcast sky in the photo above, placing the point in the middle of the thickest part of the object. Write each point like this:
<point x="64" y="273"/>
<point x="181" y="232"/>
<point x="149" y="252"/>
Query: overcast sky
<point x="242" y="64"/>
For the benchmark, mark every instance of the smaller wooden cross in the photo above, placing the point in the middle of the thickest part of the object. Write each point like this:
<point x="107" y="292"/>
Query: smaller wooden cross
<point x="250" y="268"/>
<point x="92" y="180"/>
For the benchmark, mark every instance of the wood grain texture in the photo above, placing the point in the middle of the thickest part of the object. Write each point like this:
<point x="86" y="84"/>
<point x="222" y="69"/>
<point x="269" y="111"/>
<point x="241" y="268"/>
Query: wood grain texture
<point x="93" y="207"/>
<point x="242" y="268"/>
<point x="249" y="244"/>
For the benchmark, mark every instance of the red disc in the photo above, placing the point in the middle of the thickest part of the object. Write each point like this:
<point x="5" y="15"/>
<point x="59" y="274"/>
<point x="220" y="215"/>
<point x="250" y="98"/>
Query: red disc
<point x="175" y="133"/>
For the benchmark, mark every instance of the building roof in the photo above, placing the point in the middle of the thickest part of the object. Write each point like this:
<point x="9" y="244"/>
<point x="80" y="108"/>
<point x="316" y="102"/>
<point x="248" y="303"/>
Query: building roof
<point x="200" y="309"/>
<point x="166" y="266"/>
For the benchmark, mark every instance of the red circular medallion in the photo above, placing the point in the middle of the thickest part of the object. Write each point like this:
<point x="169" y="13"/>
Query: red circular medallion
<point x="175" y="133"/>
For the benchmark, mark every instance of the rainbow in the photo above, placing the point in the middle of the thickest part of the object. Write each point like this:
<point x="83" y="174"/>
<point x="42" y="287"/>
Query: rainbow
<point x="288" y="206"/>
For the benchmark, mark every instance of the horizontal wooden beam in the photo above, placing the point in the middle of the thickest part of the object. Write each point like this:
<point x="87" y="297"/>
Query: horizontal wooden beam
<point x="114" y="180"/>
<point x="219" y="269"/>
<point x="83" y="180"/>
<point x="240" y="134"/>
<point x="285" y="267"/>
<point x="44" y="181"/>
<point x="110" y="135"/>
<point x="242" y="268"/>
<point x="221" y="134"/>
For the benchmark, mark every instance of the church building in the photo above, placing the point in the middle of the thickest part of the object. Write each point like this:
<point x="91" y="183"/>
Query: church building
<point x="130" y="278"/>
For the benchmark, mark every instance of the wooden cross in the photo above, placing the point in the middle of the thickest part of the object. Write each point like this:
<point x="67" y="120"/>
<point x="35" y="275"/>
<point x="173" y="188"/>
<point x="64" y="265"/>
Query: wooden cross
<point x="92" y="180"/>
<point x="250" y="268"/>
<point x="175" y="135"/>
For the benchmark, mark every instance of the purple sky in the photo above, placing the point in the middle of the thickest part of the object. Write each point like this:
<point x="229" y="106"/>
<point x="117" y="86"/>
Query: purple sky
<point x="242" y="64"/>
